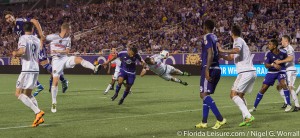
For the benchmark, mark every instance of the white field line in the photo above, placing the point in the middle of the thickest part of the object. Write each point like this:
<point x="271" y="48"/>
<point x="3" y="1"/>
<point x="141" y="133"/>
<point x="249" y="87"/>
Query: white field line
<point x="133" y="116"/>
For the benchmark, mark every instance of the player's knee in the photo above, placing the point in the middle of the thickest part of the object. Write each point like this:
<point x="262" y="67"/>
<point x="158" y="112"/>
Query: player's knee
<point x="232" y="94"/>
<point x="278" y="87"/>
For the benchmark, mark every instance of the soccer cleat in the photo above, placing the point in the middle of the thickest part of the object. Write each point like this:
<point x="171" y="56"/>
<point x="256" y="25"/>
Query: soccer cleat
<point x="247" y="121"/>
<point x="201" y="125"/>
<point x="121" y="101"/>
<point x="97" y="68"/>
<point x="41" y="121"/>
<point x="219" y="124"/>
<point x="65" y="85"/>
<point x="184" y="83"/>
<point x="288" y="108"/>
<point x="296" y="109"/>
<point x="114" y="97"/>
<point x="38" y="90"/>
<point x="38" y="116"/>
<point x="53" y="108"/>
<point x="105" y="92"/>
<point x="252" y="109"/>
<point x="284" y="105"/>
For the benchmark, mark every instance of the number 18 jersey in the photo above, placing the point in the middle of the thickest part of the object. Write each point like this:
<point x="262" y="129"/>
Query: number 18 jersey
<point x="30" y="58"/>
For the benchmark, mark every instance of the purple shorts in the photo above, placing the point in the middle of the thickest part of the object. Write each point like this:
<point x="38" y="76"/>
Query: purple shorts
<point x="206" y="86"/>
<point x="270" y="78"/>
<point x="128" y="76"/>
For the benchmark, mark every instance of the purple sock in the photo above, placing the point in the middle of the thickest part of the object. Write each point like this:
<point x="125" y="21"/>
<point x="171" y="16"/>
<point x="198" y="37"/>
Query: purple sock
<point x="205" y="112"/>
<point x="259" y="96"/>
<point x="212" y="105"/>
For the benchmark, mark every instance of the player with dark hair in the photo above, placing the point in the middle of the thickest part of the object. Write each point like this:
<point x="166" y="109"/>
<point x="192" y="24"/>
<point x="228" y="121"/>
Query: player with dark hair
<point x="163" y="70"/>
<point x="28" y="50"/>
<point x="210" y="76"/>
<point x="275" y="71"/>
<point x="244" y="82"/>
<point x="127" y="71"/>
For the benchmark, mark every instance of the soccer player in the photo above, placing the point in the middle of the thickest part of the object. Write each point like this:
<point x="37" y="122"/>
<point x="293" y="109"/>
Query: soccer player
<point x="275" y="71"/>
<point x="60" y="46"/>
<point x="28" y="50"/>
<point x="210" y="76"/>
<point x="246" y="73"/>
<point x="18" y="29"/>
<point x="290" y="71"/>
<point x="127" y="71"/>
<point x="116" y="63"/>
<point x="162" y="70"/>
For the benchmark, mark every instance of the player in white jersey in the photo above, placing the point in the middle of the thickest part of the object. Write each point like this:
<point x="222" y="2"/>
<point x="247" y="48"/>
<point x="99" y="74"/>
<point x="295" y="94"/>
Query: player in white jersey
<point x="246" y="72"/>
<point x="117" y="63"/>
<point x="290" y="71"/>
<point x="28" y="50"/>
<point x="60" y="45"/>
<point x="162" y="70"/>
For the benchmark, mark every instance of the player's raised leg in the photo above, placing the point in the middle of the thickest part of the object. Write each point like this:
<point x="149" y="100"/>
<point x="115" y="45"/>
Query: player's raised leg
<point x="87" y="64"/>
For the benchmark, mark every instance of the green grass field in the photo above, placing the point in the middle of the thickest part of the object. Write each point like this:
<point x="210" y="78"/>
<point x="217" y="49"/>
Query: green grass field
<point x="156" y="108"/>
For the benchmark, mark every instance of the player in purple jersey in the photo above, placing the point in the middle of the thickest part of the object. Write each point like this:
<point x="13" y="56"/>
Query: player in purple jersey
<point x="210" y="76"/>
<point x="275" y="72"/>
<point x="127" y="70"/>
<point x="43" y="59"/>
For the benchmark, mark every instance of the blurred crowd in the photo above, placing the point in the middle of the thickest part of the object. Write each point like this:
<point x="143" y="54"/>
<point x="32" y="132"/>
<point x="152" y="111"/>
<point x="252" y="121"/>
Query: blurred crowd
<point x="154" y="25"/>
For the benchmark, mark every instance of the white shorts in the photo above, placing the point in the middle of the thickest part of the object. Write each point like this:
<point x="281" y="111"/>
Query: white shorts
<point x="61" y="63"/>
<point x="27" y="80"/>
<point x="291" y="77"/>
<point x="244" y="82"/>
<point x="116" y="74"/>
<point x="167" y="75"/>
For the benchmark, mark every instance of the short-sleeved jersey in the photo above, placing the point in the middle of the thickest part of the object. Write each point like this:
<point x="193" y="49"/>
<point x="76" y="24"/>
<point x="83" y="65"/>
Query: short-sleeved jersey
<point x="110" y="56"/>
<point x="18" y="29"/>
<point x="128" y="64"/>
<point x="271" y="57"/>
<point x="243" y="59"/>
<point x="159" y="67"/>
<point x="58" y="43"/>
<point x="32" y="47"/>
<point x="290" y="52"/>
<point x="210" y="41"/>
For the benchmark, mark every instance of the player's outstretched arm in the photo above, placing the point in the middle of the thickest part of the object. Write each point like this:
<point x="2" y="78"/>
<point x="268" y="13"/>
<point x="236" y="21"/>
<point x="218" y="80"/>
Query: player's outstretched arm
<point x="39" y="28"/>
<point x="287" y="59"/>
<point x="229" y="57"/>
<point x="143" y="73"/>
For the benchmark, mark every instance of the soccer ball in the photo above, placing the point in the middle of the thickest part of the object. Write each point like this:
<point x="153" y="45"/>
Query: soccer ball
<point x="164" y="54"/>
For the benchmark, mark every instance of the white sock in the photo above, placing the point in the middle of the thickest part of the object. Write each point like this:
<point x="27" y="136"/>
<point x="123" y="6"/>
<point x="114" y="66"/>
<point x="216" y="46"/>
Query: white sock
<point x="108" y="87"/>
<point x="87" y="64"/>
<point x="54" y="90"/>
<point x="240" y="103"/>
<point x="282" y="95"/>
<point x="298" y="89"/>
<point x="295" y="98"/>
<point x="26" y="100"/>
<point x="32" y="98"/>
